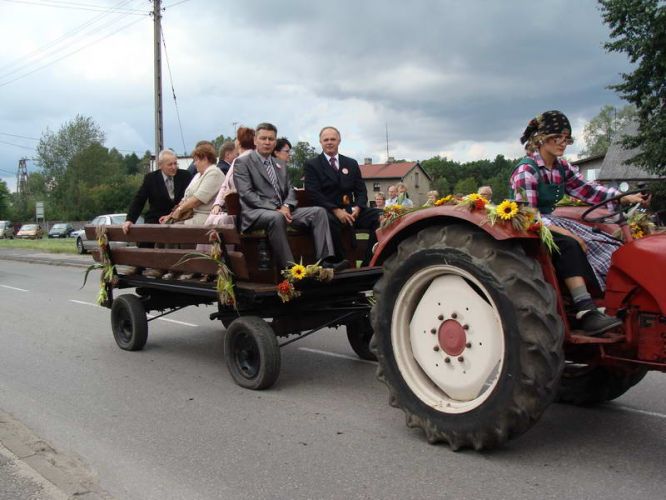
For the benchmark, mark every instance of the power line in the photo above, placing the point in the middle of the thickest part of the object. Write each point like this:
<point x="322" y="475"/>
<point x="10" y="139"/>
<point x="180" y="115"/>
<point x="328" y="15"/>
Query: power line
<point x="17" y="145"/>
<point x="173" y="92"/>
<point x="74" y="6"/>
<point x="7" y="82"/>
<point x="19" y="136"/>
<point x="174" y="4"/>
<point x="63" y="42"/>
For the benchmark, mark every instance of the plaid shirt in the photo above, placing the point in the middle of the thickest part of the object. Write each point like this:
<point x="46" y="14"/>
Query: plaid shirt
<point x="524" y="183"/>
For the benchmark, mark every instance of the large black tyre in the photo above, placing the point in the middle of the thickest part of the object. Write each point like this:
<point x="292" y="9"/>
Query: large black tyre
<point x="359" y="334"/>
<point x="252" y="353"/>
<point x="467" y="336"/>
<point x="80" y="249"/>
<point x="129" y="322"/>
<point x="584" y="385"/>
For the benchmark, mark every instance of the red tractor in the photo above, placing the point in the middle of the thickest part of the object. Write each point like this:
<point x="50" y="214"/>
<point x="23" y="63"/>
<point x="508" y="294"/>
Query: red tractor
<point x="475" y="339"/>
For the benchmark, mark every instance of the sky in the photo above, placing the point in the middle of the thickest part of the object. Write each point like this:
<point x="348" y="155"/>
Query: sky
<point x="454" y="78"/>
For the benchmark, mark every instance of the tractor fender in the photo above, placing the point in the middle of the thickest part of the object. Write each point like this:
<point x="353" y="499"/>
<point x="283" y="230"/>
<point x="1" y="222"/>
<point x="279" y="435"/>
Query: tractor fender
<point x="411" y="223"/>
<point x="644" y="261"/>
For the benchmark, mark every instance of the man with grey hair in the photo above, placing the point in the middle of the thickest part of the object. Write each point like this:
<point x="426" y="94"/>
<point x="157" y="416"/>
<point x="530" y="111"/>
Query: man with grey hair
<point x="227" y="155"/>
<point x="486" y="192"/>
<point x="162" y="189"/>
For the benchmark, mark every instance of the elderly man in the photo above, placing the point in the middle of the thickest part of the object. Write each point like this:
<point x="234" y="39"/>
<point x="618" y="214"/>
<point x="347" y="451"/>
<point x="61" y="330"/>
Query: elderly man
<point x="486" y="192"/>
<point x="162" y="189"/>
<point x="334" y="182"/>
<point x="268" y="201"/>
<point x="392" y="196"/>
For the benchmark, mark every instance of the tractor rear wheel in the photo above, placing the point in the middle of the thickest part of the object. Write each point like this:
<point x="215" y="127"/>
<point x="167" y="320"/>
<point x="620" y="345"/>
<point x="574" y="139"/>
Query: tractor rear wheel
<point x="588" y="385"/>
<point x="467" y="336"/>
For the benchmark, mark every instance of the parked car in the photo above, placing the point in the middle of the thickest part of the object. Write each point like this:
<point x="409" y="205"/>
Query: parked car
<point x="61" y="231"/>
<point x="6" y="229"/>
<point x="30" y="232"/>
<point x="84" y="245"/>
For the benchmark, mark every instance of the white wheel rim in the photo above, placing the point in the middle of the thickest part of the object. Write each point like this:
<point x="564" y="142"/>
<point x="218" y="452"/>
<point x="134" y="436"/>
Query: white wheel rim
<point x="455" y="369"/>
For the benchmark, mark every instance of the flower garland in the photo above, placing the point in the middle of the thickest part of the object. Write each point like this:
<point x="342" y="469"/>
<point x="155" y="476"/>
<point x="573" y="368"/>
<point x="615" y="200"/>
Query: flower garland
<point x="109" y="277"/>
<point x="640" y="226"/>
<point x="224" y="284"/>
<point x="298" y="272"/>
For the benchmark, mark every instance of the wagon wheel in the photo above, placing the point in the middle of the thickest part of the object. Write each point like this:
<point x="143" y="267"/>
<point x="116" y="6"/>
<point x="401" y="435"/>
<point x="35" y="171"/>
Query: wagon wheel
<point x="359" y="334"/>
<point x="251" y="352"/>
<point x="129" y="322"/>
<point x="467" y="336"/>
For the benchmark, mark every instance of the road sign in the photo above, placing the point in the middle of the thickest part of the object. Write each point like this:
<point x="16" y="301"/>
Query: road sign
<point x="39" y="208"/>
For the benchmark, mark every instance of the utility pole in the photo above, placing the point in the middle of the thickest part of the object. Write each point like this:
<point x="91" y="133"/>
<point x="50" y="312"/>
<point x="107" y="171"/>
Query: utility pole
<point x="387" y="144"/>
<point x="159" y="131"/>
<point x="22" y="177"/>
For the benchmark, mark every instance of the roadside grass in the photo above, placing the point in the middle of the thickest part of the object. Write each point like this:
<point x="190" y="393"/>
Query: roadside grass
<point x="50" y="245"/>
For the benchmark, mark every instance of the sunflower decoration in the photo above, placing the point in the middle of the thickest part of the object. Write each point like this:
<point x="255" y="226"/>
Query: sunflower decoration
<point x="507" y="210"/>
<point x="392" y="213"/>
<point x="472" y="201"/>
<point x="443" y="201"/>
<point x="296" y="274"/>
<point x="523" y="219"/>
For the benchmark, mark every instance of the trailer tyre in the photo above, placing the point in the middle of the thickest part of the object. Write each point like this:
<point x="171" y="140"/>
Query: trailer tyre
<point x="467" y="336"/>
<point x="129" y="322"/>
<point x="359" y="334"/>
<point x="584" y="385"/>
<point x="252" y="353"/>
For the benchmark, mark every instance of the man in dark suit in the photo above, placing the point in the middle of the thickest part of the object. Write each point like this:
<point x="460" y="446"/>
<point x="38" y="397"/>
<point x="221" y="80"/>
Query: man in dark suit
<point x="162" y="189"/>
<point x="334" y="182"/>
<point x="227" y="156"/>
<point x="268" y="201"/>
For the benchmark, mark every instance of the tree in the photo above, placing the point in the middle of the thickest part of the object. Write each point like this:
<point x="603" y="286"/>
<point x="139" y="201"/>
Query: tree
<point x="466" y="186"/>
<point x="600" y="130"/>
<point x="638" y="28"/>
<point x="4" y="200"/>
<point x="219" y="140"/>
<point x="301" y="153"/>
<point x="55" y="150"/>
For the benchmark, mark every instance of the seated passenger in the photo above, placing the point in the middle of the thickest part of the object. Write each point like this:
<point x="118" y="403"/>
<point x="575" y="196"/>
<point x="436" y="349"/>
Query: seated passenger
<point x="540" y="180"/>
<point x="268" y="201"/>
<point x="403" y="196"/>
<point x="432" y="198"/>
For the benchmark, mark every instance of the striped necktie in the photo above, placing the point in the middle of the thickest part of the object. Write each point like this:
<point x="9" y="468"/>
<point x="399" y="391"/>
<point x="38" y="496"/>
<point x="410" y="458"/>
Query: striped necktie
<point x="271" y="175"/>
<point x="169" y="185"/>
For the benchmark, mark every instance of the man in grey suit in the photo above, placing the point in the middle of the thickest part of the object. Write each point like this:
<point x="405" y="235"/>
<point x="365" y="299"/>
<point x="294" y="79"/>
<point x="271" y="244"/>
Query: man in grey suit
<point x="268" y="202"/>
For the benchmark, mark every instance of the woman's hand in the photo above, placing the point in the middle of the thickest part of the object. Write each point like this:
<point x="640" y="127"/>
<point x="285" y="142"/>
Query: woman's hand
<point x="216" y="209"/>
<point x="635" y="198"/>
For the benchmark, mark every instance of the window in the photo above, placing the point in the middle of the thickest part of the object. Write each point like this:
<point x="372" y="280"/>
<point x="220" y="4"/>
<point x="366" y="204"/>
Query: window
<point x="416" y="180"/>
<point x="376" y="187"/>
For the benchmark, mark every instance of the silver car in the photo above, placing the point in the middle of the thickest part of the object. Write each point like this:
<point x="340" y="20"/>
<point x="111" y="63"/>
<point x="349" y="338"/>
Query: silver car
<point x="83" y="244"/>
<point x="6" y="229"/>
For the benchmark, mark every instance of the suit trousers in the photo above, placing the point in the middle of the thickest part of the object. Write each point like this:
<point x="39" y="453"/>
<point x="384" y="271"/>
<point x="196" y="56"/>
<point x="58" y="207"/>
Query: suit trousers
<point x="275" y="225"/>
<point x="367" y="219"/>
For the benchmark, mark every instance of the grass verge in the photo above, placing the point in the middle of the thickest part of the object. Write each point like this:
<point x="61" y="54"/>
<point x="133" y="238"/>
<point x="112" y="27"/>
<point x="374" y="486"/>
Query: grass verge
<point x="51" y="245"/>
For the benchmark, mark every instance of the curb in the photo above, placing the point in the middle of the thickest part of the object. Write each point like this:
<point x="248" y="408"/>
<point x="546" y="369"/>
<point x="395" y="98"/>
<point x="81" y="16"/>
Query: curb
<point x="55" y="261"/>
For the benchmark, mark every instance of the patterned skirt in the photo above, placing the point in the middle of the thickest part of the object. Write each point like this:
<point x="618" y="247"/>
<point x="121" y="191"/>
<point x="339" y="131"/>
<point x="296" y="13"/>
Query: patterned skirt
<point x="600" y="246"/>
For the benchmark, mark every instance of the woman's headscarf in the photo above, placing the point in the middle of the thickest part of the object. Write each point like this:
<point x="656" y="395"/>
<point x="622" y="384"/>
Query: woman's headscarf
<point x="548" y="122"/>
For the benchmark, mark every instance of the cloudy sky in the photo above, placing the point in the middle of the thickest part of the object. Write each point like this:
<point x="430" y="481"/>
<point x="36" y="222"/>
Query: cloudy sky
<point x="458" y="78"/>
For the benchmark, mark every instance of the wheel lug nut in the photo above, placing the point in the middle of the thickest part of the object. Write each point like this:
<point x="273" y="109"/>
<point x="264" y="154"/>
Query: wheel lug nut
<point x="433" y="331"/>
<point x="436" y="348"/>
<point x="440" y="317"/>
<point x="468" y="345"/>
<point x="447" y="360"/>
<point x="465" y="327"/>
<point x="454" y="315"/>
<point x="461" y="359"/>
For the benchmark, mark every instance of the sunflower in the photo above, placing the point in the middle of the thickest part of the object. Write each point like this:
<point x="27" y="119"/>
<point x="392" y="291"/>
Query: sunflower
<point x="474" y="196"/>
<point x="297" y="271"/>
<point x="507" y="210"/>
<point x="444" y="200"/>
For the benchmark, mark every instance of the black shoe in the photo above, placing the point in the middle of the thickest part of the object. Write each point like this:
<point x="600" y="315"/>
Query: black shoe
<point x="336" y="266"/>
<point x="594" y="323"/>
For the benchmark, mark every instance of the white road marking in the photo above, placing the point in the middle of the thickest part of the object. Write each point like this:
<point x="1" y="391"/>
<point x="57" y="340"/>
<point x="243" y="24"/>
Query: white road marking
<point x="173" y="321"/>
<point x="14" y="288"/>
<point x="336" y="355"/>
<point x="84" y="303"/>
<point x="147" y="315"/>
<point x="641" y="412"/>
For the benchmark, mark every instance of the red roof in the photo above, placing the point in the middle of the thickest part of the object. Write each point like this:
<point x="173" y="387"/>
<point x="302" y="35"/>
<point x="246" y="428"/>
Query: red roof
<point x="387" y="170"/>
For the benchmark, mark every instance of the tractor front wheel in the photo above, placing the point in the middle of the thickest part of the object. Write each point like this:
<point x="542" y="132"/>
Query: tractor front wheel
<point x="467" y="336"/>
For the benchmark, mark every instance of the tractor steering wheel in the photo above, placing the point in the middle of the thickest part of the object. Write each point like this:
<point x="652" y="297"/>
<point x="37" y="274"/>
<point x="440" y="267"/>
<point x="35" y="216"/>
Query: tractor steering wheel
<point x="618" y="216"/>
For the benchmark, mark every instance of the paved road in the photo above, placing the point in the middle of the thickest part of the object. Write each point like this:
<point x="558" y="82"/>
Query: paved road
<point x="168" y="422"/>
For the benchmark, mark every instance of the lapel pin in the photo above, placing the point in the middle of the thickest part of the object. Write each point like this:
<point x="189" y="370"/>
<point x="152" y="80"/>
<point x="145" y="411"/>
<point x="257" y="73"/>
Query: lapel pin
<point x="345" y="171"/>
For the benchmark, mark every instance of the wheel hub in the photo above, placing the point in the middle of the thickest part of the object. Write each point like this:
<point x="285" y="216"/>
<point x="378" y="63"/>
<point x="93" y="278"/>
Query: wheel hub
<point x="452" y="337"/>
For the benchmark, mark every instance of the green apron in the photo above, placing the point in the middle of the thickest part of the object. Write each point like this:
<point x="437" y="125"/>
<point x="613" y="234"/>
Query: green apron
<point x="549" y="194"/>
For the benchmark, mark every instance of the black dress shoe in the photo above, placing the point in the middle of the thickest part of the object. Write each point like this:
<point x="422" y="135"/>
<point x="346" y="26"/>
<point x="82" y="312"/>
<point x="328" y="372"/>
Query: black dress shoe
<point x="594" y="323"/>
<point x="336" y="266"/>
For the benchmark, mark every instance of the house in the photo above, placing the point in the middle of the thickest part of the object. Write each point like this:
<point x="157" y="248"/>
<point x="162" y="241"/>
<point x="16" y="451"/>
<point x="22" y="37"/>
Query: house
<point x="616" y="168"/>
<point x="590" y="167"/>
<point x="379" y="176"/>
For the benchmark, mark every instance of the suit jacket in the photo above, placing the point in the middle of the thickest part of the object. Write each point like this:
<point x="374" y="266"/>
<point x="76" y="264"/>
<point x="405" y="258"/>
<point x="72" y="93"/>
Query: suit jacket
<point x="330" y="189"/>
<point x="255" y="190"/>
<point x="154" y="190"/>
<point x="223" y="165"/>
